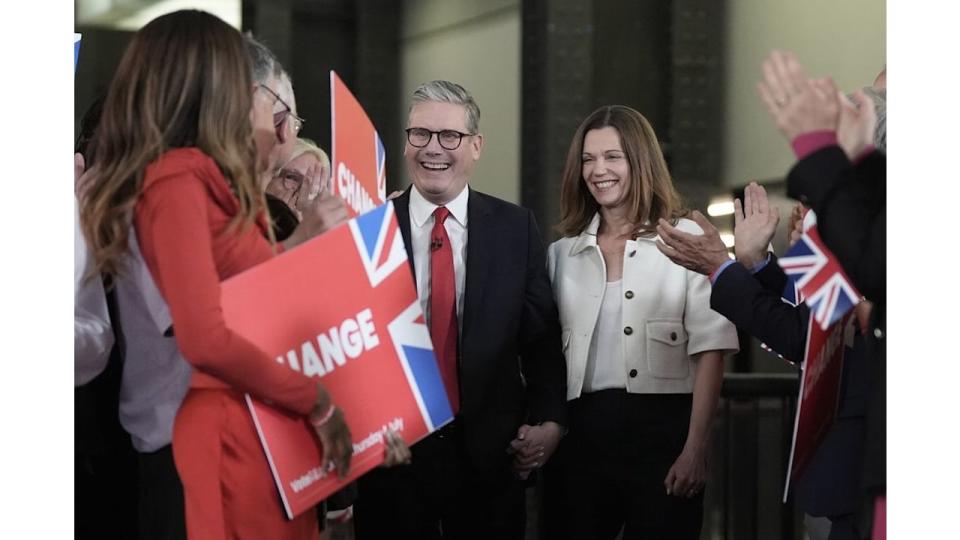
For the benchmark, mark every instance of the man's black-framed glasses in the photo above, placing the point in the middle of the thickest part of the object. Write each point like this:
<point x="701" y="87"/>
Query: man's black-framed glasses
<point x="280" y="115"/>
<point x="449" y="139"/>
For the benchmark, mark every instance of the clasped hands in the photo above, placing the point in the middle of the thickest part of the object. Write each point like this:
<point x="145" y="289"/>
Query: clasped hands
<point x="533" y="446"/>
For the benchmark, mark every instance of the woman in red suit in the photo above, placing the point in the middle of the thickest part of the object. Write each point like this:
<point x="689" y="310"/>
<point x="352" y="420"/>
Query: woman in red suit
<point x="183" y="135"/>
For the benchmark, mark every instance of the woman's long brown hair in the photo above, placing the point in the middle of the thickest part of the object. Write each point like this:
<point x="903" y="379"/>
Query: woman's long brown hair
<point x="184" y="81"/>
<point x="650" y="191"/>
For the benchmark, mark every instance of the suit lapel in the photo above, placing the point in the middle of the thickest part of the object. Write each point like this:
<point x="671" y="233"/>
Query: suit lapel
<point x="480" y="244"/>
<point x="401" y="206"/>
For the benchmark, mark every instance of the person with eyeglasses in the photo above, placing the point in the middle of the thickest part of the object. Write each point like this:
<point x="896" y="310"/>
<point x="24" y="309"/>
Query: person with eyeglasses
<point x="479" y="267"/>
<point x="318" y="210"/>
<point x="190" y="187"/>
<point x="295" y="184"/>
<point x="286" y="123"/>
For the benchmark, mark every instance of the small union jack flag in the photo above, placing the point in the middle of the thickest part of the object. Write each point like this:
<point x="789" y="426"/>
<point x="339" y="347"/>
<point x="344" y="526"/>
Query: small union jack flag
<point x="818" y="278"/>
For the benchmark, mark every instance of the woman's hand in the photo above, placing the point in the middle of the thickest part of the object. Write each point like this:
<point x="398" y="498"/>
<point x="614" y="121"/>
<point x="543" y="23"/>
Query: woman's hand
<point x="797" y="104"/>
<point x="334" y="434"/>
<point x="396" y="451"/>
<point x="688" y="474"/>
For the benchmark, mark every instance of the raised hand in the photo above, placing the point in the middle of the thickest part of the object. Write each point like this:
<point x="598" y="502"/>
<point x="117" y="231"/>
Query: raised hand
<point x="755" y="223"/>
<point x="320" y="215"/>
<point x="797" y="104"/>
<point x="858" y="122"/>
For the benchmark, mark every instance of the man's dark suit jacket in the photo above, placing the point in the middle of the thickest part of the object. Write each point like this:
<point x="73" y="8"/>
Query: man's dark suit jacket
<point x="831" y="484"/>
<point x="512" y="368"/>
<point x="851" y="205"/>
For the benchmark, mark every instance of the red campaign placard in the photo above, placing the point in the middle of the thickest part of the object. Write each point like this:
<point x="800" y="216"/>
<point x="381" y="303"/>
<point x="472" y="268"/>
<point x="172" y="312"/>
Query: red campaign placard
<point x="358" y="161"/>
<point x="819" y="392"/>
<point x="342" y="308"/>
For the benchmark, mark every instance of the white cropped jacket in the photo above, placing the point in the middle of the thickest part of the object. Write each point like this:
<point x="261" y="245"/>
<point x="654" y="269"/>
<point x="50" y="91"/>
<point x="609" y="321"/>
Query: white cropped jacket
<point x="667" y="320"/>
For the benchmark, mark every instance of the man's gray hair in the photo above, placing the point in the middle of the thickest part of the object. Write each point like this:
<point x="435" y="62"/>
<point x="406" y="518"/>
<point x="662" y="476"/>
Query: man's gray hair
<point x="448" y="92"/>
<point x="263" y="63"/>
<point x="880" y="103"/>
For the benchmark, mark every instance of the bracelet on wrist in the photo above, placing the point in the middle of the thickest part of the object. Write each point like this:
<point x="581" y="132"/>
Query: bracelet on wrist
<point x="320" y="422"/>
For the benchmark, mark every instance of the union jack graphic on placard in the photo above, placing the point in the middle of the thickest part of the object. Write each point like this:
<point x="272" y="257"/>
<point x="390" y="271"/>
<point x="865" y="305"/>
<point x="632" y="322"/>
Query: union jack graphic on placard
<point x="380" y="245"/>
<point x="341" y="308"/>
<point x="819" y="278"/>
<point x="411" y="338"/>
<point x="379" y="242"/>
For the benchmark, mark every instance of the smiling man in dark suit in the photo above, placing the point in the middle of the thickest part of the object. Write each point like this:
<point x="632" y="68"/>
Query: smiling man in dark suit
<point x="480" y="271"/>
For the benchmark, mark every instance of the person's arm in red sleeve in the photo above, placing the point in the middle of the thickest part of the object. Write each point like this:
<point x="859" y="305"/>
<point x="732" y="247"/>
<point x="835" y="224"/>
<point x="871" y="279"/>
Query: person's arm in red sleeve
<point x="175" y="238"/>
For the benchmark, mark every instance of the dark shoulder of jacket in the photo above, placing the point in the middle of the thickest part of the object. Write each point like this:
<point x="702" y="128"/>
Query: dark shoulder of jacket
<point x="500" y="207"/>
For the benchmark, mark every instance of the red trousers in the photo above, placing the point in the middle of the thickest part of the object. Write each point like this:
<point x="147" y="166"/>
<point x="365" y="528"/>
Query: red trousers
<point x="229" y="492"/>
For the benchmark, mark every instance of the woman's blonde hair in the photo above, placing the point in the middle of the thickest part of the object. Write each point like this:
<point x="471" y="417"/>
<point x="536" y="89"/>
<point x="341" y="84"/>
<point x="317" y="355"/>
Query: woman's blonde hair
<point x="307" y="146"/>
<point x="650" y="191"/>
<point x="184" y="81"/>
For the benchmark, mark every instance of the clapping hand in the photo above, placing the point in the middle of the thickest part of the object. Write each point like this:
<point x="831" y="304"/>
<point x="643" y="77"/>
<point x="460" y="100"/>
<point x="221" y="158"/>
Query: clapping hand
<point x="857" y="124"/>
<point x="755" y="223"/>
<point x="797" y="104"/>
<point x="321" y="214"/>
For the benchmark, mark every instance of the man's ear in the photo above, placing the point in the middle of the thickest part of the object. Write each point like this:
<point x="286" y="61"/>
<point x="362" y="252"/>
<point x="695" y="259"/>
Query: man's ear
<point x="476" y="146"/>
<point x="282" y="129"/>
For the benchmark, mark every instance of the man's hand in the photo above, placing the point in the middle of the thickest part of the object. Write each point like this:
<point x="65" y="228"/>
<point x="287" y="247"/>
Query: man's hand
<point x="858" y="121"/>
<point x="533" y="446"/>
<point x="797" y="104"/>
<point x="755" y="223"/>
<point x="396" y="451"/>
<point x="319" y="216"/>
<point x="701" y="253"/>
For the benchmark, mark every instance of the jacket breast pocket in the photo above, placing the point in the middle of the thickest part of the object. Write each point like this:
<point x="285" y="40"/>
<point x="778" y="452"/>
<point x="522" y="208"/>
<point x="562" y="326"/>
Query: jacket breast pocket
<point x="667" y="349"/>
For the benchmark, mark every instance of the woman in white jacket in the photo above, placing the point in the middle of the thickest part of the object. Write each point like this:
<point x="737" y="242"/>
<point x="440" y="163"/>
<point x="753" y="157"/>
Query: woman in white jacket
<point x="644" y="350"/>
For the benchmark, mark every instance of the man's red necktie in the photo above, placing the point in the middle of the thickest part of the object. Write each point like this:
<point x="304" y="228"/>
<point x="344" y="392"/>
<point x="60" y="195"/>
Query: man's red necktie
<point x="443" y="306"/>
